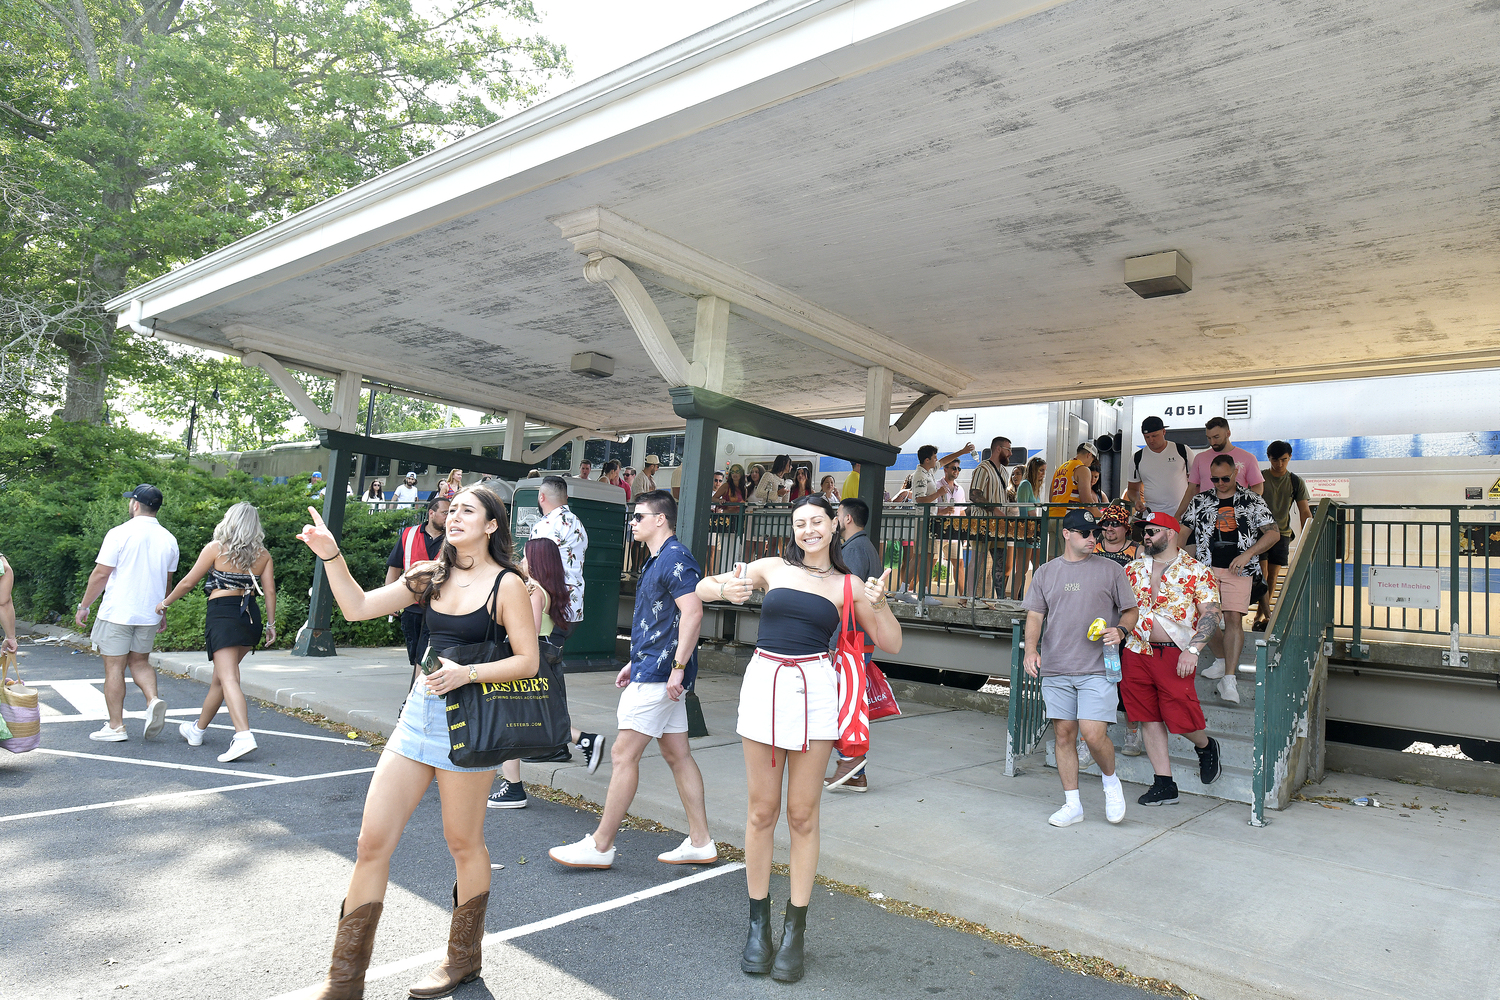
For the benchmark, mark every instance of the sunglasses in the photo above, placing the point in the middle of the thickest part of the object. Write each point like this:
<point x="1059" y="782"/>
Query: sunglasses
<point x="638" y="517"/>
<point x="1155" y="531"/>
<point x="1221" y="479"/>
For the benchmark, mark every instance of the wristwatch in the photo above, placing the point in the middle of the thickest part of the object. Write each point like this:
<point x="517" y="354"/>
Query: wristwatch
<point x="678" y="666"/>
<point x="1194" y="650"/>
<point x="473" y="673"/>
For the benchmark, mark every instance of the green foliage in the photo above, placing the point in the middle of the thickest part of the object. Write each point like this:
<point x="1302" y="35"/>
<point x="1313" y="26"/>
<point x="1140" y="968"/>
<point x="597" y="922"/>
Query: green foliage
<point x="136" y="135"/>
<point x="63" y="494"/>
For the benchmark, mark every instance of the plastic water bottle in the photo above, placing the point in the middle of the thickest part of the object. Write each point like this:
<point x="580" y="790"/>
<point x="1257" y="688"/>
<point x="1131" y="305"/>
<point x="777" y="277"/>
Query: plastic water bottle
<point x="1112" y="663"/>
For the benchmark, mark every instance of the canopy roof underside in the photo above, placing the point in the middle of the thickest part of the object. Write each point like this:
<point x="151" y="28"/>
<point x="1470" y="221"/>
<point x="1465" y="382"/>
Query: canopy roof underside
<point x="965" y="184"/>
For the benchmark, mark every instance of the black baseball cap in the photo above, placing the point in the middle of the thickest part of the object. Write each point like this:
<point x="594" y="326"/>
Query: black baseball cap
<point x="145" y="494"/>
<point x="1151" y="425"/>
<point x="1080" y="520"/>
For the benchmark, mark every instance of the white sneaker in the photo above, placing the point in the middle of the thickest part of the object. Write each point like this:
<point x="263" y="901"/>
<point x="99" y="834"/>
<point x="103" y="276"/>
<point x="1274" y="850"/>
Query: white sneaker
<point x="1134" y="745"/>
<point x="1229" y="690"/>
<point x="687" y="854"/>
<point x="1214" y="670"/>
<point x="156" y="717"/>
<point x="242" y="744"/>
<point x="1066" y="816"/>
<point x="192" y="733"/>
<point x="108" y="734"/>
<point x="583" y="854"/>
<point x="1114" y="803"/>
<point x="1085" y="759"/>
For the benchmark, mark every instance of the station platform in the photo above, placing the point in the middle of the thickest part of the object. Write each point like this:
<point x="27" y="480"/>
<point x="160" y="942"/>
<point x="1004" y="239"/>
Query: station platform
<point x="1328" y="902"/>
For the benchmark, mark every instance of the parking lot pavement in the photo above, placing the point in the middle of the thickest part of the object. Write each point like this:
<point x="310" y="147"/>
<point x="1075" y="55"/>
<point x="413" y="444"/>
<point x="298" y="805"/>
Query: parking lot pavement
<point x="148" y="869"/>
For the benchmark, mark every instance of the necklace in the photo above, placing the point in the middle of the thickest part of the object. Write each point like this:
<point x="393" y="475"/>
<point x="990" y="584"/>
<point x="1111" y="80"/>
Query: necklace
<point x="818" y="572"/>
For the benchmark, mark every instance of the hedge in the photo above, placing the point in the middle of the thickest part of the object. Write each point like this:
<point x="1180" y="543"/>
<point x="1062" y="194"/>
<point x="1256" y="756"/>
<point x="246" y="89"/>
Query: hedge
<point x="61" y="486"/>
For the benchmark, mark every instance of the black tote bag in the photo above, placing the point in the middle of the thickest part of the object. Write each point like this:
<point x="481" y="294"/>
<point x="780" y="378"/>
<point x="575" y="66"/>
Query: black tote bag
<point x="490" y="723"/>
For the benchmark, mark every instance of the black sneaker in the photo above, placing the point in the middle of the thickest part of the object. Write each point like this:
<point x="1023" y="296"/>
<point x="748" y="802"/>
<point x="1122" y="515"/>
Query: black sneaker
<point x="558" y="756"/>
<point x="512" y="795"/>
<point x="592" y="745"/>
<point x="1162" y="793"/>
<point x="1208" y="762"/>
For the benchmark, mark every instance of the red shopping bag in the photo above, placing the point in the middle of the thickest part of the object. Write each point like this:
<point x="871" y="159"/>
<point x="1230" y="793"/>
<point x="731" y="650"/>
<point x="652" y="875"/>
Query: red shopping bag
<point x="882" y="700"/>
<point x="849" y="660"/>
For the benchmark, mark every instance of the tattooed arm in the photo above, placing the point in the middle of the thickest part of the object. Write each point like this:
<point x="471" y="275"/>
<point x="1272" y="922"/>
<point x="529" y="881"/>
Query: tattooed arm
<point x="1209" y="622"/>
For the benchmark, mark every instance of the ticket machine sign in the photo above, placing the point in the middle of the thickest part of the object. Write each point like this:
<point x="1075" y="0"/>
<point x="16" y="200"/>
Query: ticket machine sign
<point x="1406" y="586"/>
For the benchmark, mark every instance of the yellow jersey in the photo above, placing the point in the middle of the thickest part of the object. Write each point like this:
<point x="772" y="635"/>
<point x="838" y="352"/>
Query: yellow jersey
<point x="1064" y="488"/>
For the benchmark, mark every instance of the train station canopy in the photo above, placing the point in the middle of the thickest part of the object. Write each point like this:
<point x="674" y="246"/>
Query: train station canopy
<point x="943" y="192"/>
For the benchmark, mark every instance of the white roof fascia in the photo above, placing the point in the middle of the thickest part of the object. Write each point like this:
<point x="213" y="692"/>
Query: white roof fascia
<point x="785" y="46"/>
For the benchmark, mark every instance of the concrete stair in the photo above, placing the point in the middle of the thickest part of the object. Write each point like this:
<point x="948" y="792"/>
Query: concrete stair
<point x="1232" y="725"/>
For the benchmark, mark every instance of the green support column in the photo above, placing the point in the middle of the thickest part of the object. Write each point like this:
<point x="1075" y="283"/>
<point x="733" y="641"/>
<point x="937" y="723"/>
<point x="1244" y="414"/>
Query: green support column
<point x="872" y="492"/>
<point x="697" y="486"/>
<point x="316" y="637"/>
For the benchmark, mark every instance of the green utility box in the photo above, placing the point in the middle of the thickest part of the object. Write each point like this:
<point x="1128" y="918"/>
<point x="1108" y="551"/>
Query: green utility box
<point x="600" y="507"/>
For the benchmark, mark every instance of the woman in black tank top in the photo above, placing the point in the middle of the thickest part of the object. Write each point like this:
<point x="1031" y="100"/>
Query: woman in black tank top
<point x="800" y="616"/>
<point x="473" y="580"/>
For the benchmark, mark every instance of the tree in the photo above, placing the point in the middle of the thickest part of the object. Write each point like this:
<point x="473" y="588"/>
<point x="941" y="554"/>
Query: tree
<point x="136" y="135"/>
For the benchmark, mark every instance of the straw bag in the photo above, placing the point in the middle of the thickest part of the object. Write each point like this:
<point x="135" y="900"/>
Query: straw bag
<point x="19" y="709"/>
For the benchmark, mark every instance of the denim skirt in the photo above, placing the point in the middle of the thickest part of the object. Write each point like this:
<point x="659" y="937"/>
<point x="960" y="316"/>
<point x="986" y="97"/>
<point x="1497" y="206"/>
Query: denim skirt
<point x="422" y="733"/>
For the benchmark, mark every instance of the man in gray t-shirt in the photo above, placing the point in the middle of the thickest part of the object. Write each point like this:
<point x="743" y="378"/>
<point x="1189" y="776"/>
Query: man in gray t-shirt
<point x="1069" y="593"/>
<point x="862" y="560"/>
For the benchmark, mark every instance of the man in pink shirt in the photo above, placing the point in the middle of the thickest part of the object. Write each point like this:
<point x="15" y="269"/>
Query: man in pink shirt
<point x="1247" y="467"/>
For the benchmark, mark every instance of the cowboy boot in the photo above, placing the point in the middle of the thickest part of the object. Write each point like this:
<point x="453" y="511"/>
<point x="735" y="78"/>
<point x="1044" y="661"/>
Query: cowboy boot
<point x="759" y="951"/>
<point x="461" y="964"/>
<point x="788" y="965"/>
<point x="351" y="953"/>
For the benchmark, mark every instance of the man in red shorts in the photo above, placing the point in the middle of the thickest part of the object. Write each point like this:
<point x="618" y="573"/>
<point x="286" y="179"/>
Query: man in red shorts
<point x="1179" y="610"/>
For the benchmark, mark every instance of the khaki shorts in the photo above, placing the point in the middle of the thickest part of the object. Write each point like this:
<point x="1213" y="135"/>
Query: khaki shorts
<point x="1234" y="591"/>
<point x="111" y="639"/>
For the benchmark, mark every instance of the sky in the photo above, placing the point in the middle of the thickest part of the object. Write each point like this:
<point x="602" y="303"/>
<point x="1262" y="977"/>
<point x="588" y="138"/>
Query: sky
<point x="602" y="35"/>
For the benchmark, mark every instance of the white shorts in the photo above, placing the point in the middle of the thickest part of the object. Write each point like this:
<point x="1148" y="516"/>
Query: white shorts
<point x="802" y="711"/>
<point x="113" y="639"/>
<point x="645" y="708"/>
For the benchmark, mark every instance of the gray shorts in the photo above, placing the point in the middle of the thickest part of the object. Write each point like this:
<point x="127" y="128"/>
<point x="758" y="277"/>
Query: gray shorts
<point x="1080" y="696"/>
<point x="112" y="639"/>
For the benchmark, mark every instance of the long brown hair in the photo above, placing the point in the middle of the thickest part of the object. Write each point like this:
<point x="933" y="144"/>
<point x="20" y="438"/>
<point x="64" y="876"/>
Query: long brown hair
<point x="793" y="554"/>
<point x="544" y="564"/>
<point x="426" y="578"/>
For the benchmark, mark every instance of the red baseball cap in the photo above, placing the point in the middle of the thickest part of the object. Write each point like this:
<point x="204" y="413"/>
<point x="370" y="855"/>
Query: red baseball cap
<point x="1161" y="519"/>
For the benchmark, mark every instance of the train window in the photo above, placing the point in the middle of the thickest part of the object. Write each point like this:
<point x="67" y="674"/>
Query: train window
<point x="667" y="447"/>
<point x="490" y="451"/>
<point x="420" y="468"/>
<point x="598" y="452"/>
<point x="966" y="423"/>
<point x="1237" y="408"/>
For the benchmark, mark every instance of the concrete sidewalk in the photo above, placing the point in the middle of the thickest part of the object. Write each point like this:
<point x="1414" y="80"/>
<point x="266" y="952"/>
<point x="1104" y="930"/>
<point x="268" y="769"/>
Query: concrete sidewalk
<point x="1330" y="901"/>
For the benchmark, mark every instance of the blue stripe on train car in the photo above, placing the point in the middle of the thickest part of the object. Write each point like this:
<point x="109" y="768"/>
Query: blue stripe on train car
<point x="1475" y="579"/>
<point x="1377" y="446"/>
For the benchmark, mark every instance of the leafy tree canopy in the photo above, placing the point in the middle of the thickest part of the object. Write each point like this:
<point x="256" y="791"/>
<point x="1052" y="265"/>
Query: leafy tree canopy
<point x="136" y="135"/>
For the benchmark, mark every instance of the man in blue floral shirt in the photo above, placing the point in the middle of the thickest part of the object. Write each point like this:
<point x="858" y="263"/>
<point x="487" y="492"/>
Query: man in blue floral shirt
<point x="663" y="665"/>
<point x="1233" y="526"/>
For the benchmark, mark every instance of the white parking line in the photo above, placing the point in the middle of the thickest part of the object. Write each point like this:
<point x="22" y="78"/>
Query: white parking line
<point x="169" y="796"/>
<point x="428" y="957"/>
<point x="298" y="736"/>
<point x="155" y="763"/>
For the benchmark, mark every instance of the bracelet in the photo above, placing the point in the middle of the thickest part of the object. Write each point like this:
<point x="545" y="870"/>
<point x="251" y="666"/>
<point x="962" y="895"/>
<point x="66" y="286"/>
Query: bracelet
<point x="878" y="604"/>
<point x="721" y="590"/>
<point x="332" y="557"/>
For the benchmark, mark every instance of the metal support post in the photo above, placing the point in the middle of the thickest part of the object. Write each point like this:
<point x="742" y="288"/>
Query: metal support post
<point x="872" y="492"/>
<point x="697" y="487"/>
<point x="316" y="637"/>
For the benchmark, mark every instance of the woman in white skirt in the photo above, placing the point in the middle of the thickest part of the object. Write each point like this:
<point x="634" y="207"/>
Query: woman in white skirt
<point x="789" y="710"/>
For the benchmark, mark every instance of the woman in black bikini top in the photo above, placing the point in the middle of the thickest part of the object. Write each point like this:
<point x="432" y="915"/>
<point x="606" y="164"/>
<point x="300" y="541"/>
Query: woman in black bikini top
<point x="473" y="580"/>
<point x="790" y="700"/>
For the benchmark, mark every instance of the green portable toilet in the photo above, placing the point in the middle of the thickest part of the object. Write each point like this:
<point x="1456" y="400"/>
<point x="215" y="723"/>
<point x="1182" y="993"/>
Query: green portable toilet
<point x="600" y="507"/>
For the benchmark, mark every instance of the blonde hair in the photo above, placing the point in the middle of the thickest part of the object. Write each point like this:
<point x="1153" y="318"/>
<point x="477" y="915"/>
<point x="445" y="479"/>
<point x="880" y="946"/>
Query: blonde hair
<point x="240" y="536"/>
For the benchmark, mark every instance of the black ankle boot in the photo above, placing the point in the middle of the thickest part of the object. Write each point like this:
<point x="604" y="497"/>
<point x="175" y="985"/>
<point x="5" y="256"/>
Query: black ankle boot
<point x="759" y="952"/>
<point x="788" y="966"/>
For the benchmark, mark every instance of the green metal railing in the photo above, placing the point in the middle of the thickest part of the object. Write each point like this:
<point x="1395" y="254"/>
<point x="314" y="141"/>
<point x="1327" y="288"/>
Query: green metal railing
<point x="1460" y="551"/>
<point x="1026" y="724"/>
<point x="982" y="555"/>
<point x="1286" y="663"/>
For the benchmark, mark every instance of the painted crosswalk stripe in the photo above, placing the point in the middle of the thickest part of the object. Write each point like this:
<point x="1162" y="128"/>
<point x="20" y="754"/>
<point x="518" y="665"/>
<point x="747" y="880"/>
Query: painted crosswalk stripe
<point x="498" y="937"/>
<point x="149" y="800"/>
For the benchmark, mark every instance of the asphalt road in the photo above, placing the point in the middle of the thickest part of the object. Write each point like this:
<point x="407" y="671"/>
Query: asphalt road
<point x="225" y="882"/>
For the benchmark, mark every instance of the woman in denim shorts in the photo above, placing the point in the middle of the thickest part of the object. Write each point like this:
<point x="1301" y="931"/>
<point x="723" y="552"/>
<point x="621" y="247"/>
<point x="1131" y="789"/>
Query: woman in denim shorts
<point x="472" y="581"/>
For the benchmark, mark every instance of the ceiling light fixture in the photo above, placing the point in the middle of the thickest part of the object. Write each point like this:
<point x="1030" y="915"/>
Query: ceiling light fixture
<point x="1156" y="274"/>
<point x="592" y="365"/>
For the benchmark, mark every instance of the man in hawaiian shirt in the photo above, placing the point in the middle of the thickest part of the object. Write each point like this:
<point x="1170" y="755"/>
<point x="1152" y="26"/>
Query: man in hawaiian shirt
<point x="1233" y="526"/>
<point x="1178" y="600"/>
<point x="663" y="664"/>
